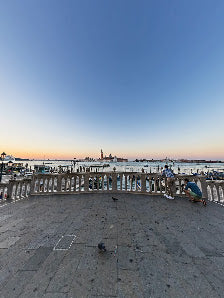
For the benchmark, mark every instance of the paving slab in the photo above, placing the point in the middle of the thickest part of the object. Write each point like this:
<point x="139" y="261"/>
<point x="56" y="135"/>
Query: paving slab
<point x="155" y="247"/>
<point x="38" y="284"/>
<point x="35" y="262"/>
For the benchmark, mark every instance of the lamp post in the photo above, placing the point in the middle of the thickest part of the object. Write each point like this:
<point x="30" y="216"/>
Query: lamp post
<point x="2" y="158"/>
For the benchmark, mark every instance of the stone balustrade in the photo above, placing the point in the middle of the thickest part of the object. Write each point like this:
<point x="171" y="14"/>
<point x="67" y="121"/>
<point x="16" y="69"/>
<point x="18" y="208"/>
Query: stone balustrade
<point x="215" y="191"/>
<point x="114" y="182"/>
<point x="15" y="189"/>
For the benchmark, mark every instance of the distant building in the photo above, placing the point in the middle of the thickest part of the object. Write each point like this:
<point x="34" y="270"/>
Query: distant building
<point x="111" y="158"/>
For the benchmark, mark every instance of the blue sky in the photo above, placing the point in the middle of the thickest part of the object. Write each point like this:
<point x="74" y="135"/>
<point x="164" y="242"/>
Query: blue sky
<point x="136" y="78"/>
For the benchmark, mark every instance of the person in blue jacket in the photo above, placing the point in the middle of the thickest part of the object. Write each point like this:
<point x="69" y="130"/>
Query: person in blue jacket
<point x="193" y="192"/>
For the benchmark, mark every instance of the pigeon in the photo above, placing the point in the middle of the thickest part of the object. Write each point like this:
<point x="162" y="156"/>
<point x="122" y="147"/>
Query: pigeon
<point x="114" y="199"/>
<point x="101" y="246"/>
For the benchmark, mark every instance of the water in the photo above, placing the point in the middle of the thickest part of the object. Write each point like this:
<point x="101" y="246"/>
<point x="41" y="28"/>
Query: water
<point x="187" y="168"/>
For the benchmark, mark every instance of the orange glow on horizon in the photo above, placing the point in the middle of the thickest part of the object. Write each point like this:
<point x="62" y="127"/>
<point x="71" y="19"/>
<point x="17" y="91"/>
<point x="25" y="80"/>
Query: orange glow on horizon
<point x="208" y="155"/>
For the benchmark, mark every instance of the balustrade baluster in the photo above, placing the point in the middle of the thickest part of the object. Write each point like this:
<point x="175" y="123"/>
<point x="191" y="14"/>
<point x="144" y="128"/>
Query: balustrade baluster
<point x="108" y="183"/>
<point x="143" y="182"/>
<point x="131" y="183"/>
<point x="80" y="180"/>
<point x="165" y="180"/>
<point x="217" y="191"/>
<point x="25" y="189"/>
<point x="70" y="186"/>
<point x="179" y="186"/>
<point x="10" y="189"/>
<point x="126" y="182"/>
<point x="121" y="181"/>
<point x="155" y="184"/>
<point x="75" y="181"/>
<point x="47" y="186"/>
<point x="38" y="185"/>
<point x="16" y="190"/>
<point x="160" y="184"/>
<point x="103" y="182"/>
<point x="86" y="182"/>
<point x="222" y="189"/>
<point x="59" y="180"/>
<point x="211" y="191"/>
<point x="20" y="190"/>
<point x="97" y="182"/>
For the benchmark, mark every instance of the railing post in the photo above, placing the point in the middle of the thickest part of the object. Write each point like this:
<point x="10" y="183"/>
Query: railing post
<point x="131" y="183"/>
<point x="217" y="192"/>
<point x="86" y="182"/>
<point x="121" y="181"/>
<point x="126" y="183"/>
<point x="160" y="184"/>
<point x="155" y="184"/>
<point x="80" y="182"/>
<point x="10" y="189"/>
<point x="114" y="181"/>
<point x="59" y="179"/>
<point x="143" y="182"/>
<point x="25" y="188"/>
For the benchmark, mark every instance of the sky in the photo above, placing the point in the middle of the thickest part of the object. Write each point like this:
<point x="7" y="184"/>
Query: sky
<point x="139" y="79"/>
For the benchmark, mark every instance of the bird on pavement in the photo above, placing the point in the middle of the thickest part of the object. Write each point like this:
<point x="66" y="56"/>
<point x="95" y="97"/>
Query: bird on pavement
<point x="101" y="246"/>
<point x="114" y="199"/>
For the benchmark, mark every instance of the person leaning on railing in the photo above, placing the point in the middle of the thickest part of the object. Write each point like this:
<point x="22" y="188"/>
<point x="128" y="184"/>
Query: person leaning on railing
<point x="170" y="182"/>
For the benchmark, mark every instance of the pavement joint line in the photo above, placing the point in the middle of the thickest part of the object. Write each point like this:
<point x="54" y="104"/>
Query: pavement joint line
<point x="21" y="270"/>
<point x="74" y="237"/>
<point x="13" y="202"/>
<point x="221" y="204"/>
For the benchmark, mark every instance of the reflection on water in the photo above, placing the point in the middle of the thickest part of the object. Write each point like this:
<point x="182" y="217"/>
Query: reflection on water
<point x="149" y="167"/>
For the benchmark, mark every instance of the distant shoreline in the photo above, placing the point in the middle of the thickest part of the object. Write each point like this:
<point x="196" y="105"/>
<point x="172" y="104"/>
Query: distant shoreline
<point x="136" y="160"/>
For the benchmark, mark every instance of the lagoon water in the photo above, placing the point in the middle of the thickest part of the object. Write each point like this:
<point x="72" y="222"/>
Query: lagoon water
<point x="153" y="167"/>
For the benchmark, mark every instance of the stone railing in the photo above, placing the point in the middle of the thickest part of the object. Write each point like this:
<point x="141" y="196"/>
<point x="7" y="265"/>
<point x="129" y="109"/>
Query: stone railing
<point x="215" y="191"/>
<point x="114" y="182"/>
<point x="15" y="189"/>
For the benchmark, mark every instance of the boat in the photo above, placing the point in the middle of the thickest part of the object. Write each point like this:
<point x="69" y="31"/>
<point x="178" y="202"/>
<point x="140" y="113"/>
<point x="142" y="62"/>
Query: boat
<point x="9" y="158"/>
<point x="41" y="169"/>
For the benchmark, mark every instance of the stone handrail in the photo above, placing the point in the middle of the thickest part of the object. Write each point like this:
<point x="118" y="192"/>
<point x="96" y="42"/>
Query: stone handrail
<point x="114" y="182"/>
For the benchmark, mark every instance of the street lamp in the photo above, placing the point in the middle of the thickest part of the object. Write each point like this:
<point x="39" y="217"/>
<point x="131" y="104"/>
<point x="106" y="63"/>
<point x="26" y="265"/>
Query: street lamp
<point x="2" y="158"/>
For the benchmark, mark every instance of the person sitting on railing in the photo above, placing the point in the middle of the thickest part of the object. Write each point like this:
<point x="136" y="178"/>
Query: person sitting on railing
<point x="170" y="182"/>
<point x="194" y="193"/>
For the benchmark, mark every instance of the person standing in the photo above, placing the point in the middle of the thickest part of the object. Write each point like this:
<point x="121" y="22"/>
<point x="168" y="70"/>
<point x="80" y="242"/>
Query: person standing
<point x="194" y="193"/>
<point x="169" y="182"/>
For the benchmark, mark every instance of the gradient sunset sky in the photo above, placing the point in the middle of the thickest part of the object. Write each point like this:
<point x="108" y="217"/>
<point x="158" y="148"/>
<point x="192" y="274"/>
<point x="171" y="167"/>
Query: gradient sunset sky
<point x="135" y="78"/>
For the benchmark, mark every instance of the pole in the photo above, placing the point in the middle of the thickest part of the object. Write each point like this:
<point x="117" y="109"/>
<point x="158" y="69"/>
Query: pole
<point x="1" y="172"/>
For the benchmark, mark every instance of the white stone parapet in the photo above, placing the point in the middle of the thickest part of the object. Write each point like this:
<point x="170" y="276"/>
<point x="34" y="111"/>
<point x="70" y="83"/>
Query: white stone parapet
<point x="114" y="182"/>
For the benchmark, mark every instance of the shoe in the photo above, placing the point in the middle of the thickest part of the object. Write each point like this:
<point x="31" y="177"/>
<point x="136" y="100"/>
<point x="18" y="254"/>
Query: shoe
<point x="170" y="198"/>
<point x="204" y="203"/>
<point x="165" y="195"/>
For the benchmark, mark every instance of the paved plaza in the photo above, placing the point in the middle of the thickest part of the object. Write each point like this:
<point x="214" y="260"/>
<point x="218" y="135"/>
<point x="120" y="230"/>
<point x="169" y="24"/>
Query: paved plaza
<point x="155" y="247"/>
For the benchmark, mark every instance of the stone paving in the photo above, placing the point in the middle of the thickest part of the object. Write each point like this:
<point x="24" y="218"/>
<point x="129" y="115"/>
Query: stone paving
<point x="155" y="247"/>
